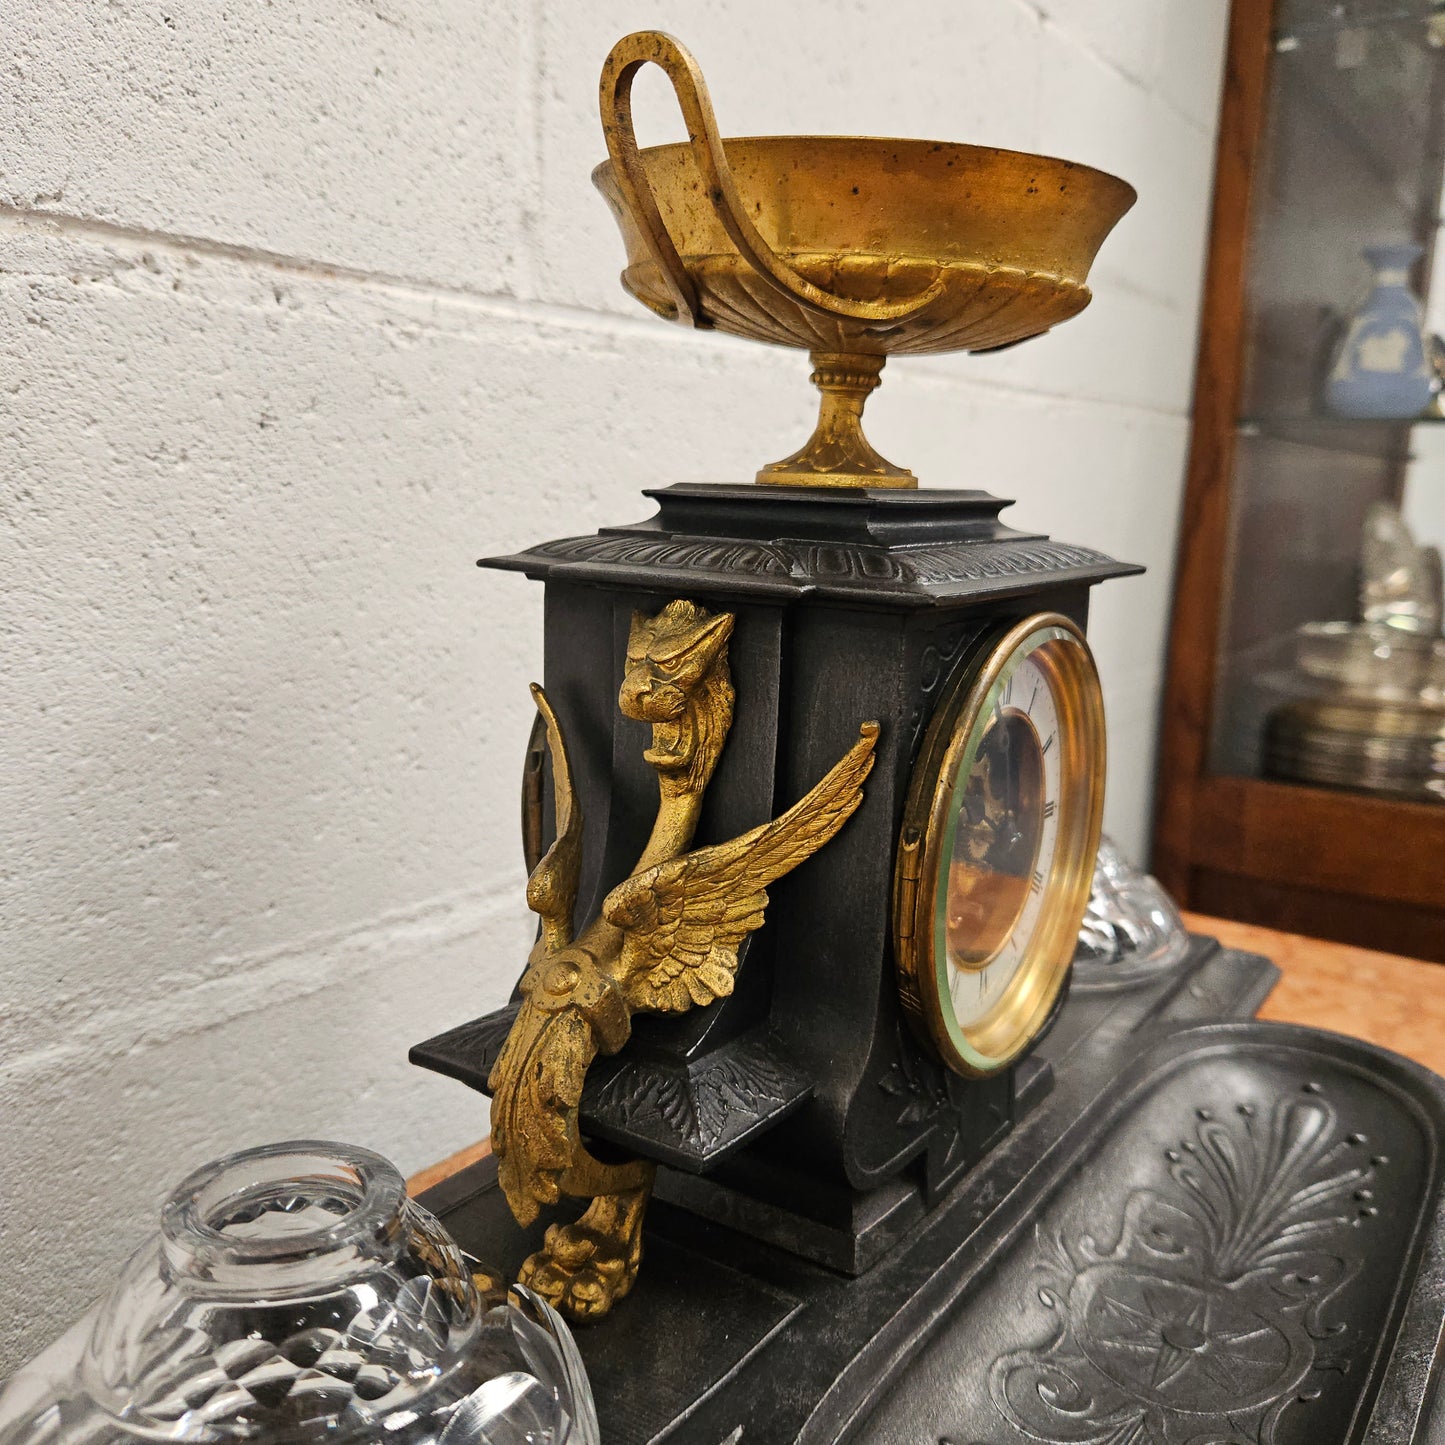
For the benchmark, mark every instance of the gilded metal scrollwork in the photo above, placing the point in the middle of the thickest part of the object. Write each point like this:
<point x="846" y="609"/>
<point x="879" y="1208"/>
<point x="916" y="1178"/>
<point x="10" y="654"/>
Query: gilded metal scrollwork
<point x="667" y="939"/>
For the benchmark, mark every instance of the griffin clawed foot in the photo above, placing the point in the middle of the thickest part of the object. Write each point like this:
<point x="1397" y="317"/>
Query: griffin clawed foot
<point x="583" y="1269"/>
<point x="667" y="939"/>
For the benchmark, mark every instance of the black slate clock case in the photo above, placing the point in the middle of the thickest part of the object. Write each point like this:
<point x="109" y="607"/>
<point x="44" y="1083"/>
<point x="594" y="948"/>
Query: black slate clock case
<point x="801" y="1109"/>
<point x="807" y="1139"/>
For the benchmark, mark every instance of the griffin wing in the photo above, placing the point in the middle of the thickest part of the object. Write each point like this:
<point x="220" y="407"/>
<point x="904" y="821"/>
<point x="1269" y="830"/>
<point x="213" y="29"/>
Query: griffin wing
<point x="552" y="888"/>
<point x="537" y="1084"/>
<point x="684" y="920"/>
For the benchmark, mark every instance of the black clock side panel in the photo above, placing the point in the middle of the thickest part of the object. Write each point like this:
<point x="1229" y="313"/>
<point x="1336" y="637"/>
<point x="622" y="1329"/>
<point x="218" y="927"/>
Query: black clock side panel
<point x="866" y="1124"/>
<point x="880" y="1101"/>
<point x="909" y="1104"/>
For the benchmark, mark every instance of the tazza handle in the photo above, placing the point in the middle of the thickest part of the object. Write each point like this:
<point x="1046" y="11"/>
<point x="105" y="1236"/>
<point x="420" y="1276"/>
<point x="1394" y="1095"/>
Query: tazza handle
<point x="652" y="47"/>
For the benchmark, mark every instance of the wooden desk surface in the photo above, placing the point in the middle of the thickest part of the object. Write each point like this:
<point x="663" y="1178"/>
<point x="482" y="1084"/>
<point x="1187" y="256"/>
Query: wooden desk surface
<point x="1396" y="1002"/>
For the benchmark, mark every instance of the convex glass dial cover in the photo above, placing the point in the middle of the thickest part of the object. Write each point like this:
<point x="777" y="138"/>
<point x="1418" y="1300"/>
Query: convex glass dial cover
<point x="998" y="844"/>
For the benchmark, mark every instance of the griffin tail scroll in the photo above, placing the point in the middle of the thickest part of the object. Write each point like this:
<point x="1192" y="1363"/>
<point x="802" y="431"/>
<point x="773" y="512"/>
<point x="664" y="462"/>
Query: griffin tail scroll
<point x="668" y="938"/>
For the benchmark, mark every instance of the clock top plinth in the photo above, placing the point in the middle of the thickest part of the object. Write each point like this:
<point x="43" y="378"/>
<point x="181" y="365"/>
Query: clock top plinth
<point x="908" y="549"/>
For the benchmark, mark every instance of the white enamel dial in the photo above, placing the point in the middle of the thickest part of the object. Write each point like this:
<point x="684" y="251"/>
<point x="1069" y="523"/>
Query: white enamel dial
<point x="998" y="843"/>
<point x="1004" y="843"/>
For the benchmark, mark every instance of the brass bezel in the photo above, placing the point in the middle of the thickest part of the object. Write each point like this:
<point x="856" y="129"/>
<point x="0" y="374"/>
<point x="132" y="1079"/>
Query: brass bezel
<point x="1011" y="1026"/>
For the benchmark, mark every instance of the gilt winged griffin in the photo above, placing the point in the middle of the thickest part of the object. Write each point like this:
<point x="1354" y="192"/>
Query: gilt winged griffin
<point x="667" y="939"/>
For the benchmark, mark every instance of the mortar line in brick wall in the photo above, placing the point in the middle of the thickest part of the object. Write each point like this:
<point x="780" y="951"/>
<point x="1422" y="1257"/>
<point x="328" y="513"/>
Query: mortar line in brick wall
<point x="494" y="304"/>
<point x="102" y="232"/>
<point x="247" y="983"/>
<point x="933" y="374"/>
<point x="497" y="305"/>
<point x="1148" y="84"/>
<point x="1205" y="128"/>
<point x="1072" y="37"/>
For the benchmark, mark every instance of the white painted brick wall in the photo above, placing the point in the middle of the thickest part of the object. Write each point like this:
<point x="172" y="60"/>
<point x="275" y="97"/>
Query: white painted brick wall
<point x="303" y="306"/>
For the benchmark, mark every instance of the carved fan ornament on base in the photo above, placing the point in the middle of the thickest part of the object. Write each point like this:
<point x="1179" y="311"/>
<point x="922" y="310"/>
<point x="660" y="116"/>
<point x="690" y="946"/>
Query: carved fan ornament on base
<point x="1216" y="1288"/>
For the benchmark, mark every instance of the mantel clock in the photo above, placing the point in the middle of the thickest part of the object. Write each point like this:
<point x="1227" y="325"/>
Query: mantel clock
<point x="811" y="811"/>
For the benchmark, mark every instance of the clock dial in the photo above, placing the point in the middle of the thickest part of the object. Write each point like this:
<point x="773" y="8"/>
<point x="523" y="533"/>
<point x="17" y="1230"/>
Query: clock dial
<point x="1004" y="843"/>
<point x="999" y="843"/>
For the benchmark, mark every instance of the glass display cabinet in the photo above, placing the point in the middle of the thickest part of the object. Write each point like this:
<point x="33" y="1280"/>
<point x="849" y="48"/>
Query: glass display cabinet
<point x="1302" y="765"/>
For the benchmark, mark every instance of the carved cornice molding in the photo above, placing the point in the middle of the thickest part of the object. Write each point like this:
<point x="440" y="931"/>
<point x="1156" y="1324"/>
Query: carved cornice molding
<point x="926" y="571"/>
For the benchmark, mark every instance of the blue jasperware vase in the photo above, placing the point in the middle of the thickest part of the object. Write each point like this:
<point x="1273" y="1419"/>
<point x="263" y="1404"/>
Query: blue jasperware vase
<point x="1381" y="371"/>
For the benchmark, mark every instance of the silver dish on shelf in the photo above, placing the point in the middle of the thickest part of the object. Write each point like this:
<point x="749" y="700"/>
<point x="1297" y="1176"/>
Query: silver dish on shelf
<point x="1374" y="661"/>
<point x="1377" y="723"/>
<point x="1396" y="749"/>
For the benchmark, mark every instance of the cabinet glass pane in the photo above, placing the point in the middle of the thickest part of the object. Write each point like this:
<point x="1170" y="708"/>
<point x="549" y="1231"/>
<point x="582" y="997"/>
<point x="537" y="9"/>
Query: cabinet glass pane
<point x="1352" y="156"/>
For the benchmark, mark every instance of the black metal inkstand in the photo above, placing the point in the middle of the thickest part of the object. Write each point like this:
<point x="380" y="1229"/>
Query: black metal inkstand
<point x="906" y="1187"/>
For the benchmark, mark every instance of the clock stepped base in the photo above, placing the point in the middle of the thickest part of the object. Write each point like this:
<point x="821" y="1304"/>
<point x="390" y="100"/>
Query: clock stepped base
<point x="849" y="1230"/>
<point x="950" y="1333"/>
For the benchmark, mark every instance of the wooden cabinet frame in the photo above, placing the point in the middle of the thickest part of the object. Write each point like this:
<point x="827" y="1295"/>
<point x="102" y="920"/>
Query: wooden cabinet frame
<point x="1335" y="864"/>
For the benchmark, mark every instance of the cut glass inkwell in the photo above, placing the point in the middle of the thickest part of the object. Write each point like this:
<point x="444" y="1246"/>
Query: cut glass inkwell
<point x="295" y="1294"/>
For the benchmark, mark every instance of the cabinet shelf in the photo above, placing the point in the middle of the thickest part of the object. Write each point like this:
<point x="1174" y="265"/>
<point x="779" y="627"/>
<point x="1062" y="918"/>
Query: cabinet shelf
<point x="1336" y="433"/>
<point x="1292" y="33"/>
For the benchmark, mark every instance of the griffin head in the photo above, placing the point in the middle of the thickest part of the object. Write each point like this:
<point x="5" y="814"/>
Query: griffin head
<point x="677" y="679"/>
